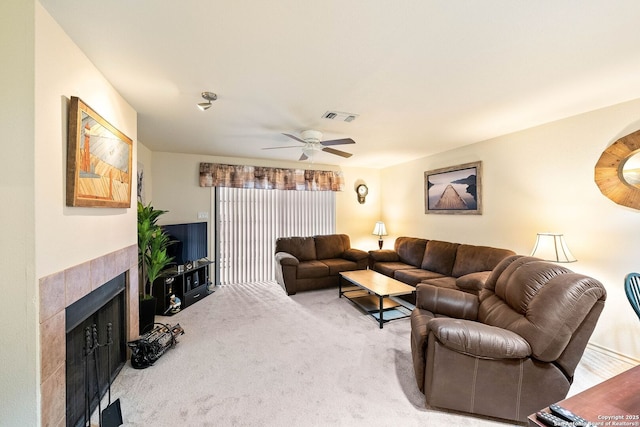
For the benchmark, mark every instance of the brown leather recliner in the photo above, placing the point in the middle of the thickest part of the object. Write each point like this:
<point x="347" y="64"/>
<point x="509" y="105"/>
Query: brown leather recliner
<point x="513" y="349"/>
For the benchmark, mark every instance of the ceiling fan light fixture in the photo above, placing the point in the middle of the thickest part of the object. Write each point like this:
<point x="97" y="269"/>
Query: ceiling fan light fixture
<point x="311" y="136"/>
<point x="309" y="150"/>
<point x="312" y="143"/>
<point x="209" y="96"/>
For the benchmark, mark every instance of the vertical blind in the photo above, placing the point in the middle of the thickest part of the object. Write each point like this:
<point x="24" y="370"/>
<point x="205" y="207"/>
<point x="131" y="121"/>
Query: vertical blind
<point x="250" y="221"/>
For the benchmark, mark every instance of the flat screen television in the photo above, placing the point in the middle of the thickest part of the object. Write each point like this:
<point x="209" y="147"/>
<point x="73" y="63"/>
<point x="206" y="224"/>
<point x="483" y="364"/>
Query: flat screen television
<point x="190" y="241"/>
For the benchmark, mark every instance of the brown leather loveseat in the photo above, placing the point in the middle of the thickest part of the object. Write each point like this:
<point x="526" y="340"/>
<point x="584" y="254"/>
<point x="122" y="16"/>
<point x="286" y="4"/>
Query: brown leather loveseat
<point x="513" y="349"/>
<point x="444" y="264"/>
<point x="306" y="263"/>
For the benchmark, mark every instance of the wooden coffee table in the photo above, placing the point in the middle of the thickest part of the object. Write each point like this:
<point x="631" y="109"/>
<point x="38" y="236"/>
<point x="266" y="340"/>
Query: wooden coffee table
<point x="371" y="291"/>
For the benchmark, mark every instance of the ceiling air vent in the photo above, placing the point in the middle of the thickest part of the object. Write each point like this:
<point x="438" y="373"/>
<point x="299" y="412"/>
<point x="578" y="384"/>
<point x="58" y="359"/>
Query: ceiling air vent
<point x="337" y="115"/>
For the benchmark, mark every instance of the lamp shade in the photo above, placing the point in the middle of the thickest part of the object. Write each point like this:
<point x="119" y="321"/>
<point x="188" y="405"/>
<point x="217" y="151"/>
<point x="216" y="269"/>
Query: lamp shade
<point x="380" y="229"/>
<point x="552" y="247"/>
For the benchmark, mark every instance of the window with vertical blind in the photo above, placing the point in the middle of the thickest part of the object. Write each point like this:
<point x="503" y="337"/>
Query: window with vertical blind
<point x="250" y="221"/>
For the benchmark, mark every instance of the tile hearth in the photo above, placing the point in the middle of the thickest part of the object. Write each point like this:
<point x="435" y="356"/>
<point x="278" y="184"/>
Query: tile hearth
<point x="60" y="290"/>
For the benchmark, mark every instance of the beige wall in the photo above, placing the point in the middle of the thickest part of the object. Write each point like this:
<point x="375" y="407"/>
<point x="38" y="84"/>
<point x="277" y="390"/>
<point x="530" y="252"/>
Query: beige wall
<point x="62" y="71"/>
<point x="41" y="70"/>
<point x="355" y="219"/>
<point x="18" y="352"/>
<point x="176" y="187"/>
<point x="538" y="180"/>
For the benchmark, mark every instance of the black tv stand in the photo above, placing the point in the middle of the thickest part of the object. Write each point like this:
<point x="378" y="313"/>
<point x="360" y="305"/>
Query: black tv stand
<point x="190" y="285"/>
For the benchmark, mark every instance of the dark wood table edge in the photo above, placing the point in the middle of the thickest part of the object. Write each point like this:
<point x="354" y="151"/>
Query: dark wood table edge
<point x="618" y="397"/>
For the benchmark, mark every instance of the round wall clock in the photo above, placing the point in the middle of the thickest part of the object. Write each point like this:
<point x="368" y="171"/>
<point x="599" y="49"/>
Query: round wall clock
<point x="362" y="191"/>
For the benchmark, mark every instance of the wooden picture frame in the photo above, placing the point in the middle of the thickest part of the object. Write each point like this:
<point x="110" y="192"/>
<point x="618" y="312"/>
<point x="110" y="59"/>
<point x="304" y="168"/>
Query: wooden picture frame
<point x="454" y="190"/>
<point x="98" y="160"/>
<point x="612" y="175"/>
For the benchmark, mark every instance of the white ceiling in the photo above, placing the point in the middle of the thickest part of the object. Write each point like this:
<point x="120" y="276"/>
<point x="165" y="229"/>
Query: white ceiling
<point x="424" y="76"/>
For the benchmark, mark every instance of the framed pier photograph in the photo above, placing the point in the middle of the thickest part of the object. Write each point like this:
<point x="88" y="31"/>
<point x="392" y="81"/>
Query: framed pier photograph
<point x="454" y="190"/>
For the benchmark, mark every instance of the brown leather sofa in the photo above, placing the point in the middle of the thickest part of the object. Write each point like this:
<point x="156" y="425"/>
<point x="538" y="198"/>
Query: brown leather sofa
<point x="306" y="263"/>
<point x="513" y="349"/>
<point x="444" y="264"/>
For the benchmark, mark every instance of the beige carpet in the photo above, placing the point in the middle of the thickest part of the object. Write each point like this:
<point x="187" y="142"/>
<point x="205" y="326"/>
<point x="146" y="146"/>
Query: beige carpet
<point x="252" y="356"/>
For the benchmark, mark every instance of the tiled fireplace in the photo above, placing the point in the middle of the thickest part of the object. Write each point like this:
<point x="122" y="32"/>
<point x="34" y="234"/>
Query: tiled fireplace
<point x="57" y="292"/>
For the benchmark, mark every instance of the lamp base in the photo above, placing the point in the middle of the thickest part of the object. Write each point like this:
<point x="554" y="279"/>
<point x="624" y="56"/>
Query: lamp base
<point x="380" y="242"/>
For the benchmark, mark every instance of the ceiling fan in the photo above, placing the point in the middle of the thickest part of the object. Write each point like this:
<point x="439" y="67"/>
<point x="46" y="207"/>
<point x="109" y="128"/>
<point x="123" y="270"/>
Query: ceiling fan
<point x="312" y="140"/>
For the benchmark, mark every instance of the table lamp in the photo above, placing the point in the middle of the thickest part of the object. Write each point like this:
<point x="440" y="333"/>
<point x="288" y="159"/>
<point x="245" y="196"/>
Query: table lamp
<point x="380" y="230"/>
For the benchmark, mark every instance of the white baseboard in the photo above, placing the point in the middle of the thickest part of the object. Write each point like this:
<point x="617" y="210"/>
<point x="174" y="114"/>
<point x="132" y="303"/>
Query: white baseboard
<point x="613" y="354"/>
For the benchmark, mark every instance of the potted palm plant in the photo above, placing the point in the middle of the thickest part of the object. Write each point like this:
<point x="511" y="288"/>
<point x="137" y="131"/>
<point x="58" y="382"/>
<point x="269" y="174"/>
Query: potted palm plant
<point x="152" y="260"/>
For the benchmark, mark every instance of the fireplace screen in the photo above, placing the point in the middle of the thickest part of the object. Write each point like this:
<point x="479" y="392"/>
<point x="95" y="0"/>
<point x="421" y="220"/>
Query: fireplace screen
<point x="88" y="374"/>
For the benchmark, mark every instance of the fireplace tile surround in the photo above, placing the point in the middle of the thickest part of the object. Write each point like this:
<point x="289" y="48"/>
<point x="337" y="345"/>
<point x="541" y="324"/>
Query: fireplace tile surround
<point x="57" y="292"/>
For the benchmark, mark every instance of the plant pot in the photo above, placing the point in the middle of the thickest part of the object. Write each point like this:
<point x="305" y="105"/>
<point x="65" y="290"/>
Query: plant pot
<point x="147" y="314"/>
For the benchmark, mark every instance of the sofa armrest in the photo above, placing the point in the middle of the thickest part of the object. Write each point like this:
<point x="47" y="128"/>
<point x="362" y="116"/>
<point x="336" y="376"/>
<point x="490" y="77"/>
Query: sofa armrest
<point x="286" y="272"/>
<point x="478" y="339"/>
<point x="473" y="281"/>
<point x="384" y="255"/>
<point x="447" y="302"/>
<point x="355" y="255"/>
<point x="285" y="258"/>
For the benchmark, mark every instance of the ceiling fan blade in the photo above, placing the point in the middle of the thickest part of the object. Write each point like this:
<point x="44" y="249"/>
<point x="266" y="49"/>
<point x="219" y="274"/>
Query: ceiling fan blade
<point x="336" y="152"/>
<point x="303" y="157"/>
<point x="294" y="137"/>
<point x="338" y="141"/>
<point x="287" y="146"/>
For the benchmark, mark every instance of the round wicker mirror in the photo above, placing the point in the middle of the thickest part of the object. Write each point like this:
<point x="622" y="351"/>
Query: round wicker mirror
<point x="617" y="172"/>
<point x="631" y="170"/>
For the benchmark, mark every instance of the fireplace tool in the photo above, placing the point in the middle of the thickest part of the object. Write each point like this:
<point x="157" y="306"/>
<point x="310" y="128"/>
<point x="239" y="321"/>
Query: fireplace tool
<point x="96" y="353"/>
<point x="112" y="414"/>
<point x="89" y="349"/>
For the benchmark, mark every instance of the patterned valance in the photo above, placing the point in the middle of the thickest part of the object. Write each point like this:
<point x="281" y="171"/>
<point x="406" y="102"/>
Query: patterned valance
<point x="241" y="176"/>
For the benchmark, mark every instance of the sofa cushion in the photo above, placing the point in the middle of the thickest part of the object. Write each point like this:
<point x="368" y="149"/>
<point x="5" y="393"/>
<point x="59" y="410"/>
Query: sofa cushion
<point x="470" y="259"/>
<point x="470" y="283"/>
<point x="384" y="255"/>
<point x="389" y="268"/>
<point x="303" y="248"/>
<point x="410" y="250"/>
<point x="331" y="246"/>
<point x="414" y="276"/>
<point x="312" y="270"/>
<point x="355" y="255"/>
<point x="443" y="282"/>
<point x="473" y="281"/>
<point x="336" y="265"/>
<point x="439" y="257"/>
